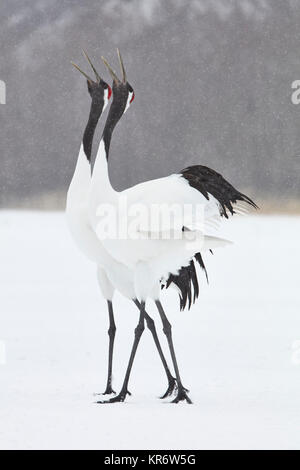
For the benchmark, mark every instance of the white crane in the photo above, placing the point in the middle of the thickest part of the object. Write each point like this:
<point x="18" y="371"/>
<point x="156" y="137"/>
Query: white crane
<point x="111" y="274"/>
<point x="156" y="253"/>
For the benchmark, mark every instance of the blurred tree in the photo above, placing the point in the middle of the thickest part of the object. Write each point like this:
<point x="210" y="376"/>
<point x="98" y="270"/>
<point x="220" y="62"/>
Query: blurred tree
<point x="212" y="80"/>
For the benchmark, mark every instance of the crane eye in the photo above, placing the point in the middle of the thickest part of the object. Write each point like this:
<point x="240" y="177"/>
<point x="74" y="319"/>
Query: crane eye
<point x="109" y="92"/>
<point x="132" y="98"/>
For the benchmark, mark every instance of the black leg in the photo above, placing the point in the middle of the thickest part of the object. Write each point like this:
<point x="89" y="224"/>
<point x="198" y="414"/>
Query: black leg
<point x="167" y="329"/>
<point x="137" y="336"/>
<point x="111" y="334"/>
<point x="172" y="385"/>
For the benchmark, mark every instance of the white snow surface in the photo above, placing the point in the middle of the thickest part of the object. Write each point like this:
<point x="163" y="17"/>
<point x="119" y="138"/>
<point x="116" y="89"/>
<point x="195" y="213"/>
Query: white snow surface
<point x="238" y="348"/>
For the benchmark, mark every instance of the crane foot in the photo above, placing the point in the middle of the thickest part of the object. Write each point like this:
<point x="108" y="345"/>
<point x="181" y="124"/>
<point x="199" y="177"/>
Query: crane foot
<point x="171" y="388"/>
<point x="182" y="396"/>
<point x="117" y="399"/>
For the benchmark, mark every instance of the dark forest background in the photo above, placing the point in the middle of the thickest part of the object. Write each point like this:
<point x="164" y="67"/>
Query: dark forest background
<point x="212" y="80"/>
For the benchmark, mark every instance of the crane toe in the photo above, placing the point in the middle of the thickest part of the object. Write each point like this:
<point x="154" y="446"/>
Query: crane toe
<point x="182" y="396"/>
<point x="171" y="388"/>
<point x="117" y="399"/>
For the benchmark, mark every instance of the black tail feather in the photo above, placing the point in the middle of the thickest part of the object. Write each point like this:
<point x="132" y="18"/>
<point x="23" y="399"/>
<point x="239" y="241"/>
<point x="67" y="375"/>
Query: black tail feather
<point x="187" y="282"/>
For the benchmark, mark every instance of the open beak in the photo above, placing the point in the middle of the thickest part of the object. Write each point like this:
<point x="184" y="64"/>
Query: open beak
<point x="122" y="66"/>
<point x="98" y="78"/>
<point x="112" y="72"/>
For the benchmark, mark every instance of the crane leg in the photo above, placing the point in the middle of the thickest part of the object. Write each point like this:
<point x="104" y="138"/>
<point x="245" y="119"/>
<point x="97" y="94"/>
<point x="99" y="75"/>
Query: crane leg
<point x="111" y="334"/>
<point x="137" y="336"/>
<point x="172" y="385"/>
<point x="167" y="329"/>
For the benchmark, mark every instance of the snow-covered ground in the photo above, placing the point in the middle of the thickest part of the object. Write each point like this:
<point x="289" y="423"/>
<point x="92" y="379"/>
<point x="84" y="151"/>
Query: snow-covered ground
<point x="238" y="348"/>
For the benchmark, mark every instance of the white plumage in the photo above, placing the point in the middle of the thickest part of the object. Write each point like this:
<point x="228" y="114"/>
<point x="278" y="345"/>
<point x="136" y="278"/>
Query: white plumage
<point x="144" y="251"/>
<point x="137" y="252"/>
<point x="111" y="274"/>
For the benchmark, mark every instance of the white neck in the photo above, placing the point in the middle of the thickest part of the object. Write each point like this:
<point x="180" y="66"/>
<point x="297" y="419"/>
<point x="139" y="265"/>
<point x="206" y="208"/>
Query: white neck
<point x="101" y="190"/>
<point x="81" y="180"/>
<point x="100" y="176"/>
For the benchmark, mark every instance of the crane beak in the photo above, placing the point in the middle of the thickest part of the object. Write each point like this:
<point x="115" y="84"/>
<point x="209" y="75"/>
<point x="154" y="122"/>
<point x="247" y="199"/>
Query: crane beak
<point x="122" y="66"/>
<point x="83" y="73"/>
<point x="111" y="71"/>
<point x="93" y="68"/>
<point x="98" y="78"/>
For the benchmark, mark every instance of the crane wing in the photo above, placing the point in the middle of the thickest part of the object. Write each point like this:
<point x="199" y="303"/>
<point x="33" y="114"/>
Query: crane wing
<point x="194" y="199"/>
<point x="166" y="212"/>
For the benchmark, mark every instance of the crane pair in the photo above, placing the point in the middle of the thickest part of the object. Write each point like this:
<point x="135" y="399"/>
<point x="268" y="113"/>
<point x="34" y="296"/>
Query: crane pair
<point x="140" y="263"/>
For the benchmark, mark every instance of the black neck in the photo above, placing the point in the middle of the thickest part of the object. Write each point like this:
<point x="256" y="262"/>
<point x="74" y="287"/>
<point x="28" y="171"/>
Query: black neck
<point x="115" y="113"/>
<point x="89" y="131"/>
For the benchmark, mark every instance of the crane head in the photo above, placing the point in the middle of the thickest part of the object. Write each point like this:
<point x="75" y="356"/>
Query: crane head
<point x="122" y="91"/>
<point x="98" y="89"/>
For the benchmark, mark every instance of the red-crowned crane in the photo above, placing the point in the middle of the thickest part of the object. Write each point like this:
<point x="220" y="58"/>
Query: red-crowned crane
<point x="163" y="252"/>
<point x="111" y="274"/>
